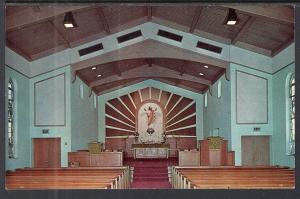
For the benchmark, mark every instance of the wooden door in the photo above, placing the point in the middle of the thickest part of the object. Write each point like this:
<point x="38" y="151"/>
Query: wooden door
<point x="47" y="152"/>
<point x="255" y="150"/>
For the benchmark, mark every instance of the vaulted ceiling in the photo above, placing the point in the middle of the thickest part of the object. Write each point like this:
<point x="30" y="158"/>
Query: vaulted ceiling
<point x="36" y="31"/>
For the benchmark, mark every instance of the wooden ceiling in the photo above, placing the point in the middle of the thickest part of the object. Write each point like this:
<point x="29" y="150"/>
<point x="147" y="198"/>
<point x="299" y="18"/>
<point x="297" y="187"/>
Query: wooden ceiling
<point x="37" y="31"/>
<point x="177" y="72"/>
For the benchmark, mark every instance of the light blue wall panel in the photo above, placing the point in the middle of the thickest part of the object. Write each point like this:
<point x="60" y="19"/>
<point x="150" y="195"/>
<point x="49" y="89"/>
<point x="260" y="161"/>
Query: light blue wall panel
<point x="84" y="116"/>
<point x="64" y="132"/>
<point x="280" y="119"/>
<point x="238" y="130"/>
<point x="21" y="125"/>
<point x="217" y="113"/>
<point x="155" y="84"/>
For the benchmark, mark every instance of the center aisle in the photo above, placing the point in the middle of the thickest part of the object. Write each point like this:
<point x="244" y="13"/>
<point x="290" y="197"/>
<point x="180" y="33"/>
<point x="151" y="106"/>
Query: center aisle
<point x="150" y="173"/>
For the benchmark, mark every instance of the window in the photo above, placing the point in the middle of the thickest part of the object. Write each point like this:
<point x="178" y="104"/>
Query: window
<point x="81" y="91"/>
<point x="291" y="115"/>
<point x="95" y="101"/>
<point x="10" y="118"/>
<point x="219" y="89"/>
<point x="205" y="100"/>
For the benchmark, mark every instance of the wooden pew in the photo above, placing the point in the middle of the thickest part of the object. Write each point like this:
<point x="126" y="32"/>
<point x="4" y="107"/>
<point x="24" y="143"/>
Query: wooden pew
<point x="233" y="177"/>
<point x="69" y="178"/>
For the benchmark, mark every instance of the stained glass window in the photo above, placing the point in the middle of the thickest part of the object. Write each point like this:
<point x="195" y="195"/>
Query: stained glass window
<point x="10" y="119"/>
<point x="292" y="115"/>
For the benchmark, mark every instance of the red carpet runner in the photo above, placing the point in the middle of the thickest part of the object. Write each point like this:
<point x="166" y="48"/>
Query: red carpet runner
<point x="151" y="173"/>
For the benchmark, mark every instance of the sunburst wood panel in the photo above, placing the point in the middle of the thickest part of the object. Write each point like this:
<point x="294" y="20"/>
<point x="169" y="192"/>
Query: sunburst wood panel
<point x="179" y="111"/>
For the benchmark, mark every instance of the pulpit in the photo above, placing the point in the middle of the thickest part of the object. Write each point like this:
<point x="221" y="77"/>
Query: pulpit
<point x="213" y="152"/>
<point x="159" y="150"/>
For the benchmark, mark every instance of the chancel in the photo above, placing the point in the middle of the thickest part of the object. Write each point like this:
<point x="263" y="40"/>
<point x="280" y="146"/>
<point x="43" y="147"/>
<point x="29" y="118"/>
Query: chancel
<point x="150" y="96"/>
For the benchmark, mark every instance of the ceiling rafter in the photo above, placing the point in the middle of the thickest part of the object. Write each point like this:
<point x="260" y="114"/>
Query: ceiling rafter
<point x="149" y="13"/>
<point x="18" y="50"/>
<point x="104" y="20"/>
<point x="195" y="19"/>
<point x="243" y="29"/>
<point x="147" y="72"/>
<point x="283" y="46"/>
<point x="29" y="16"/>
<point x="60" y="34"/>
<point x="177" y="84"/>
<point x="277" y="13"/>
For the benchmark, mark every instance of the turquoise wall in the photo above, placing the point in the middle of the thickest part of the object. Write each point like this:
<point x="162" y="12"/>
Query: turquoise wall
<point x="84" y="116"/>
<point x="217" y="113"/>
<point x="21" y="84"/>
<point x="238" y="130"/>
<point x="63" y="132"/>
<point x="155" y="84"/>
<point x="279" y="101"/>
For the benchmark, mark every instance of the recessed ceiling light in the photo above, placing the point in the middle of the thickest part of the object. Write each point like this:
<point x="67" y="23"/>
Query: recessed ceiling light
<point x="99" y="75"/>
<point x="94" y="68"/>
<point x="69" y="21"/>
<point x="201" y="74"/>
<point x="205" y="66"/>
<point x="231" y="18"/>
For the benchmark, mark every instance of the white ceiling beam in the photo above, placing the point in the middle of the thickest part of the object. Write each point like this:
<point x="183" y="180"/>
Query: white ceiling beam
<point x="150" y="72"/>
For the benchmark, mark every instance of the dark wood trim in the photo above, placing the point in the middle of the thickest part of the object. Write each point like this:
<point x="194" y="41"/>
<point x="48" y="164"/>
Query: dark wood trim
<point x="34" y="100"/>
<point x="149" y="13"/>
<point x="282" y="46"/>
<point x="19" y="51"/>
<point x="267" y="94"/>
<point x="104" y="20"/>
<point x="195" y="19"/>
<point x="243" y="29"/>
<point x="60" y="34"/>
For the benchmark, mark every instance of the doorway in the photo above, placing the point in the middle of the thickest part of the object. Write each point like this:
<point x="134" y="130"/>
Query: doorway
<point x="255" y="150"/>
<point x="47" y="152"/>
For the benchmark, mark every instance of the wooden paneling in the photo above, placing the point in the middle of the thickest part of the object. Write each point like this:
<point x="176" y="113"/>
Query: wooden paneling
<point x="155" y="93"/>
<point x="115" y="143"/>
<point x="186" y="143"/>
<point x="172" y="102"/>
<point x="47" y="152"/>
<point x="187" y="131"/>
<point x="211" y="156"/>
<point x="183" y="114"/>
<point x="114" y="123"/>
<point x="189" y="158"/>
<point x="107" y="159"/>
<point x="164" y="98"/>
<point x="145" y="94"/>
<point x="117" y="132"/>
<point x="255" y="150"/>
<point x="136" y="98"/>
<point x="110" y="111"/>
<point x="183" y="103"/>
<point x="118" y="105"/>
<point x="230" y="158"/>
<point x="82" y="157"/>
<point x="128" y="103"/>
<point x="187" y="122"/>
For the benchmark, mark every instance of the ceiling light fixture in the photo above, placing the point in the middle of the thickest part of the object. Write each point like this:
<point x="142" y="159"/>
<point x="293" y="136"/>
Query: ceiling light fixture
<point x="231" y="18"/>
<point x="99" y="75"/>
<point x="69" y="21"/>
<point x="201" y="74"/>
<point x="205" y="66"/>
<point x="94" y="68"/>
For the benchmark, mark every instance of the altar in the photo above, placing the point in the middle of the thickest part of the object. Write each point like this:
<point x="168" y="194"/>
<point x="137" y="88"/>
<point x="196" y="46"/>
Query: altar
<point x="156" y="150"/>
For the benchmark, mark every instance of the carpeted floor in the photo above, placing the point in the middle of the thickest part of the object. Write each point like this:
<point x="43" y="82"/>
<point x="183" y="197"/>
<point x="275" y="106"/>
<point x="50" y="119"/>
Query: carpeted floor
<point x="150" y="173"/>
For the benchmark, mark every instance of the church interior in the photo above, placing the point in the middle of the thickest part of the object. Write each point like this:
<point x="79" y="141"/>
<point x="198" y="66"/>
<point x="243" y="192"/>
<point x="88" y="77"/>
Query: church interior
<point x="150" y="96"/>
